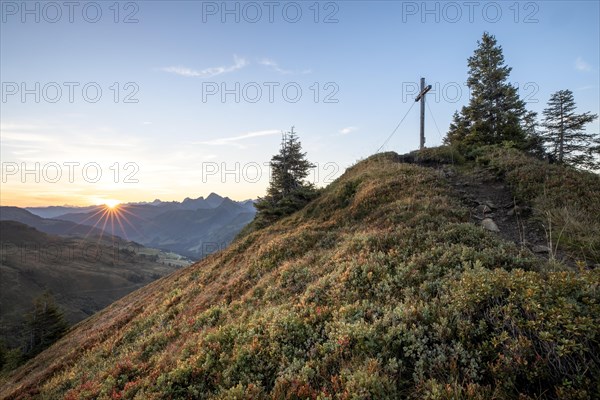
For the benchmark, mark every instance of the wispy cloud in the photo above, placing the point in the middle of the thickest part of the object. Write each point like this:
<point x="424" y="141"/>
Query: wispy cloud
<point x="347" y="130"/>
<point x="588" y="87"/>
<point x="11" y="133"/>
<point x="23" y="137"/>
<point x="8" y="126"/>
<point x="234" y="140"/>
<point x="22" y="142"/>
<point x="239" y="63"/>
<point x="582" y="65"/>
<point x="275" y="67"/>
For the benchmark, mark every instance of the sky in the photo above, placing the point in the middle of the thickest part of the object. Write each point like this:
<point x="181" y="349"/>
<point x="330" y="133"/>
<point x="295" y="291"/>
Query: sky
<point x="131" y="101"/>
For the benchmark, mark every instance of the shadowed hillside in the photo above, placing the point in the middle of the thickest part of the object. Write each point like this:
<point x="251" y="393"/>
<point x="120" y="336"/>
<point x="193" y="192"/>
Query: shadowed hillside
<point x="385" y="286"/>
<point x="85" y="275"/>
<point x="51" y="226"/>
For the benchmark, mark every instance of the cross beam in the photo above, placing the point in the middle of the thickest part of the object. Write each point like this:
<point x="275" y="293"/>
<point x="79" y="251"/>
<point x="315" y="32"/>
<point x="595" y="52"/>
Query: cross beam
<point x="421" y="97"/>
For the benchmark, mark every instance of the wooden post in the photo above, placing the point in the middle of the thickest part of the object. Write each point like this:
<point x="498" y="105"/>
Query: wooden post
<point x="421" y="97"/>
<point x="422" y="136"/>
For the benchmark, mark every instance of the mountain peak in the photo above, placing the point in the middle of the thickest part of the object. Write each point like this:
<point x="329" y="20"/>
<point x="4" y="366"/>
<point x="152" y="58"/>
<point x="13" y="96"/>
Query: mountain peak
<point x="213" y="195"/>
<point x="214" y="200"/>
<point x="189" y="199"/>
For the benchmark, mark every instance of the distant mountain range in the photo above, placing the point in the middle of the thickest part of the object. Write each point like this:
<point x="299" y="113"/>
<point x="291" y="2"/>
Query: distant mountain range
<point x="55" y="211"/>
<point x="213" y="200"/>
<point x="193" y="228"/>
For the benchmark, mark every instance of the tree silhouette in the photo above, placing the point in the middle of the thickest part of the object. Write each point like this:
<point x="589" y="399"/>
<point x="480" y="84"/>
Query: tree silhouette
<point x="288" y="189"/>
<point x="564" y="134"/>
<point x="495" y="112"/>
<point x="3" y="352"/>
<point x="45" y="324"/>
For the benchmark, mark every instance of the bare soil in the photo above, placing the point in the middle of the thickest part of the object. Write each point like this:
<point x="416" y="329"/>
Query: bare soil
<point x="489" y="197"/>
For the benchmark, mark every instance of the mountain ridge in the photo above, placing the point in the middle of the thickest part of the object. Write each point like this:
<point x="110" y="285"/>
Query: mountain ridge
<point x="382" y="287"/>
<point x="187" y="203"/>
<point x="210" y="222"/>
<point x="47" y="225"/>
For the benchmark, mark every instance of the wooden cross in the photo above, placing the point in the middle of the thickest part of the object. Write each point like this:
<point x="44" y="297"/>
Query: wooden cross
<point x="421" y="97"/>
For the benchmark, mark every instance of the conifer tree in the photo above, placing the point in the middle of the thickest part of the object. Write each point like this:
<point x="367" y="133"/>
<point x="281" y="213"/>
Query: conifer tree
<point x="3" y="351"/>
<point x="495" y="111"/>
<point x="288" y="190"/>
<point x="45" y="324"/>
<point x="564" y="133"/>
<point x="533" y="136"/>
<point x="594" y="154"/>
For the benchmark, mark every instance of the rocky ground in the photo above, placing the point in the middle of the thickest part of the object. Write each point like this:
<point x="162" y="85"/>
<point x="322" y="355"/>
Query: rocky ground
<point x="494" y="208"/>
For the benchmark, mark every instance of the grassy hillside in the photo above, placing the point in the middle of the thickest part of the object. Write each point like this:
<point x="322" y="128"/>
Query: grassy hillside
<point x="383" y="287"/>
<point x="85" y="275"/>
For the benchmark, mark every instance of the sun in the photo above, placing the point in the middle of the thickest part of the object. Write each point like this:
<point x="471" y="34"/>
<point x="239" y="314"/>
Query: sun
<point x="112" y="203"/>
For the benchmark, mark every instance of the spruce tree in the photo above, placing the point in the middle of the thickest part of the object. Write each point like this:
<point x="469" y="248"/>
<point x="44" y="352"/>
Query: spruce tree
<point x="533" y="136"/>
<point x="3" y="351"/>
<point x="594" y="154"/>
<point x="288" y="190"/>
<point x="495" y="111"/>
<point x="564" y="134"/>
<point x="45" y="324"/>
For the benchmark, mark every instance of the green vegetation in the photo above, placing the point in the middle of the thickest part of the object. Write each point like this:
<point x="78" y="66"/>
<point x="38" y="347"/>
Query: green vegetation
<point x="495" y="113"/>
<point x="288" y="190"/>
<point x="564" y="200"/>
<point x="45" y="324"/>
<point x="3" y="354"/>
<point x="564" y="133"/>
<point x="380" y="288"/>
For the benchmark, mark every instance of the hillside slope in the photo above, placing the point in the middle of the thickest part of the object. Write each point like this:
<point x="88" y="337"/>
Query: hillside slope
<point x="51" y="226"/>
<point x="85" y="275"/>
<point x="383" y="287"/>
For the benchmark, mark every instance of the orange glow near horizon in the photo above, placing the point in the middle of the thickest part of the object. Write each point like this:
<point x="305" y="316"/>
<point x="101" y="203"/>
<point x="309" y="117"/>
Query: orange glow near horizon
<point x="31" y="196"/>
<point x="112" y="203"/>
<point x="111" y="219"/>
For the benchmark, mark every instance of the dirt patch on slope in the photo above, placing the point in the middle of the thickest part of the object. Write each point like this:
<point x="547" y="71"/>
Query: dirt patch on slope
<point x="489" y="198"/>
<point x="494" y="207"/>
